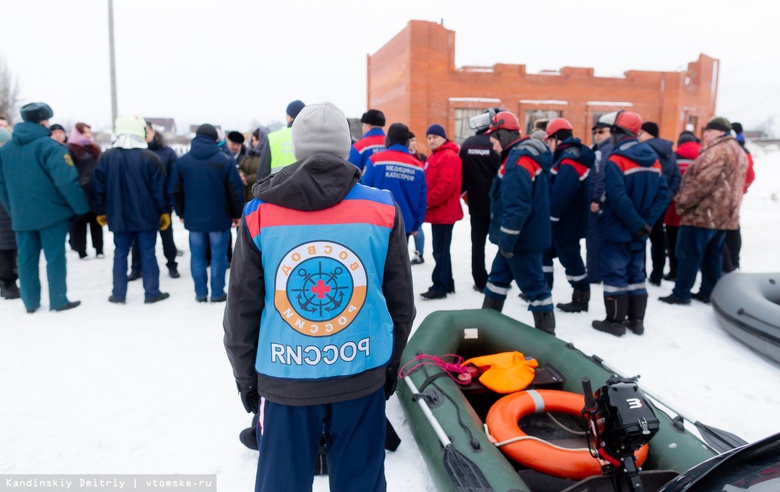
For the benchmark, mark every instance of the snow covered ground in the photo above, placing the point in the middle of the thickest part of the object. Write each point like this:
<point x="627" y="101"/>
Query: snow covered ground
<point x="109" y="389"/>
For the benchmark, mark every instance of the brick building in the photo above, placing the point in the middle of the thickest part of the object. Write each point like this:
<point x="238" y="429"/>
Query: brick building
<point x="413" y="79"/>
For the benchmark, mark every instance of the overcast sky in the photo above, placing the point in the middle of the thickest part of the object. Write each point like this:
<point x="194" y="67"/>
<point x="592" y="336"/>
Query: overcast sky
<point x="230" y="62"/>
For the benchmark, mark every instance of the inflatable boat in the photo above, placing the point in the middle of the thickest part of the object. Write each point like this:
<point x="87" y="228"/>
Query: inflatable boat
<point x="747" y="306"/>
<point x="448" y="418"/>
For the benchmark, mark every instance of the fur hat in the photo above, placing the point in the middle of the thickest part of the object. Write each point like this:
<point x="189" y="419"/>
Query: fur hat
<point x="651" y="128"/>
<point x="56" y="126"/>
<point x="373" y="117"/>
<point x="36" y="112"/>
<point x="321" y="129"/>
<point x="207" y="130"/>
<point x="436" y="129"/>
<point x="718" y="123"/>
<point x="236" y="137"/>
<point x="294" y="108"/>
<point x="130" y="124"/>
<point x="737" y="127"/>
<point x="398" y="133"/>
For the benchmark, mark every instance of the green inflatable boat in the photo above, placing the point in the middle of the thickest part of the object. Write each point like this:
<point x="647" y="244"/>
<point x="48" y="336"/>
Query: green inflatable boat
<point x="448" y="419"/>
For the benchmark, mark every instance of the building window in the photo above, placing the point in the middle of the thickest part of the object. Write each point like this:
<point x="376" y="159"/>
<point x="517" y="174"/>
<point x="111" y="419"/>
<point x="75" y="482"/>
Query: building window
<point x="462" y="130"/>
<point x="690" y="125"/>
<point x="532" y="116"/>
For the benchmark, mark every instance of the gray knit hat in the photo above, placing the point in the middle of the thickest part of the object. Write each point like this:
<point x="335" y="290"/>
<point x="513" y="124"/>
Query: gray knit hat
<point x="321" y="129"/>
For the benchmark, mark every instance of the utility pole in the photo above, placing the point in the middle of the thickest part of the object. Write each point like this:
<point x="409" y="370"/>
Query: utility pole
<point x="111" y="58"/>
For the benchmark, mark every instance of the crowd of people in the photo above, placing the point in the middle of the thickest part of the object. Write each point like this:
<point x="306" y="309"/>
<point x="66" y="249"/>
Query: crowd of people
<point x="323" y="227"/>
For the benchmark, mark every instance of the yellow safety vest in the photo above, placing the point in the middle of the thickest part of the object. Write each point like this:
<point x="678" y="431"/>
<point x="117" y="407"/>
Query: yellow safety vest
<point x="280" y="145"/>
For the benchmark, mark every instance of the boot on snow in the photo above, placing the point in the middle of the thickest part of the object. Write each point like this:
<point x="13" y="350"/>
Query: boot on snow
<point x="614" y="324"/>
<point x="9" y="290"/>
<point x="545" y="321"/>
<point x="493" y="303"/>
<point x="579" y="302"/>
<point x="636" y="313"/>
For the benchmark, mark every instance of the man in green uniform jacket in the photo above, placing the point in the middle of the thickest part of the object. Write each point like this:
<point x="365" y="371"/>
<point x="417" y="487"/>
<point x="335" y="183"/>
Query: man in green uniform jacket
<point x="39" y="188"/>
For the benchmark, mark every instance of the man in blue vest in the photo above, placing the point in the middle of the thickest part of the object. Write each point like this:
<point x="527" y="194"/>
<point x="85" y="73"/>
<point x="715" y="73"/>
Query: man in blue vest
<point x="39" y="187"/>
<point x="373" y="140"/>
<point x="277" y="151"/>
<point x="319" y="309"/>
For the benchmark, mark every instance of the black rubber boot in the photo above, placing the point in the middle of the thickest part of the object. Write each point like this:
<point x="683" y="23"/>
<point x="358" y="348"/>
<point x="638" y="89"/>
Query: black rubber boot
<point x="579" y="302"/>
<point x="617" y="307"/>
<point x="545" y="321"/>
<point x="492" y="303"/>
<point x="636" y="313"/>
<point x="9" y="290"/>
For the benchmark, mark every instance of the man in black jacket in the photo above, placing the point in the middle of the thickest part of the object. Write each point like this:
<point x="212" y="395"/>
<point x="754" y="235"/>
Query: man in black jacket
<point x="480" y="165"/>
<point x="320" y="305"/>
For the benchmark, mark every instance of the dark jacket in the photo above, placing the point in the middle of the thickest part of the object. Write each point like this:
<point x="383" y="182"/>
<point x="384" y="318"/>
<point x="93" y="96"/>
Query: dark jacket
<point x="480" y="165"/>
<point x="39" y="186"/>
<point x="128" y="188"/>
<point x="520" y="198"/>
<point x="168" y="157"/>
<point x="85" y="158"/>
<point x="570" y="189"/>
<point x="636" y="191"/>
<point x="313" y="185"/>
<point x="668" y="160"/>
<point x="603" y="151"/>
<point x="7" y="235"/>
<point x="206" y="189"/>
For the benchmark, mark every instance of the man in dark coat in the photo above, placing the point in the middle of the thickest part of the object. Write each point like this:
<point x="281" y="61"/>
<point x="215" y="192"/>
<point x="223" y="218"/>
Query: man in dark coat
<point x="128" y="195"/>
<point x="8" y="275"/>
<point x="321" y="267"/>
<point x="208" y="195"/>
<point x="668" y="160"/>
<point x="480" y="165"/>
<point x="39" y="188"/>
<point x="602" y="146"/>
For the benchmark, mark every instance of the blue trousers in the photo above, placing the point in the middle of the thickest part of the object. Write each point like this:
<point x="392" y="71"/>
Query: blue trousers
<point x="289" y="436"/>
<point x="29" y="244"/>
<point x="593" y="242"/>
<point x="219" y="262"/>
<point x="419" y="241"/>
<point x="526" y="269"/>
<point x="698" y="248"/>
<point x="568" y="253"/>
<point x="123" y="242"/>
<point x="442" y="271"/>
<point x="169" y="251"/>
<point x="623" y="268"/>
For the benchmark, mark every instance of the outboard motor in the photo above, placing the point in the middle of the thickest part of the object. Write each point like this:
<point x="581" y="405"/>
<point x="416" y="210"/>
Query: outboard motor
<point x="620" y="421"/>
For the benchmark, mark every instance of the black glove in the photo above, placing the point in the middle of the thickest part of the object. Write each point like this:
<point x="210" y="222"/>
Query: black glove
<point x="507" y="254"/>
<point x="391" y="380"/>
<point x="645" y="231"/>
<point x="250" y="398"/>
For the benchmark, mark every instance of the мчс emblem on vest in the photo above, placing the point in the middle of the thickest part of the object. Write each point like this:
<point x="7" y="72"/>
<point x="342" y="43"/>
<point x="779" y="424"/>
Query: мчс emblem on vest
<point x="320" y="288"/>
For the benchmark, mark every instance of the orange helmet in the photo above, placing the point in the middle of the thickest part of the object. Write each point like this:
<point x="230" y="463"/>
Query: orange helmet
<point x="556" y="125"/>
<point x="627" y="121"/>
<point x="505" y="120"/>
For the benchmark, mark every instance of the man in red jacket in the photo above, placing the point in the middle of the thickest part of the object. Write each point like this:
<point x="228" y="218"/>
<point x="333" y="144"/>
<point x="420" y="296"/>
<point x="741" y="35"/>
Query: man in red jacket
<point x="443" y="177"/>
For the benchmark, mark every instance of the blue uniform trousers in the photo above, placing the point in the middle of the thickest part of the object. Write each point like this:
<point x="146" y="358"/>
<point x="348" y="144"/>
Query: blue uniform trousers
<point x="123" y="242"/>
<point x="526" y="269"/>
<point x="568" y="253"/>
<point x="698" y="248"/>
<point x="29" y="244"/>
<point x="593" y="243"/>
<point x="623" y="267"/>
<point x="288" y="438"/>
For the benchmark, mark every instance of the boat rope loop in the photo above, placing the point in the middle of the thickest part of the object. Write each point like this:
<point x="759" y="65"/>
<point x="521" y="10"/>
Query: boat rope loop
<point x="451" y="364"/>
<point x="533" y="438"/>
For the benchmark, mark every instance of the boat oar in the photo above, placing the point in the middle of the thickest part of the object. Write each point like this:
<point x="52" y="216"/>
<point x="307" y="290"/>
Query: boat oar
<point x="465" y="475"/>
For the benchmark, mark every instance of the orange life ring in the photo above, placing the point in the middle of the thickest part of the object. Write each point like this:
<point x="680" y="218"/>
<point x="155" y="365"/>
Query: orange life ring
<point x="538" y="454"/>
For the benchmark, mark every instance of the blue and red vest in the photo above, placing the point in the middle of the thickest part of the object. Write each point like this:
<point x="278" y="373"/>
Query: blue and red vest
<point x="325" y="315"/>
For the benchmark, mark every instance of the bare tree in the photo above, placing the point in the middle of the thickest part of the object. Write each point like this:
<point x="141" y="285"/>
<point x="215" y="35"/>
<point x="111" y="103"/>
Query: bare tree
<point x="9" y="93"/>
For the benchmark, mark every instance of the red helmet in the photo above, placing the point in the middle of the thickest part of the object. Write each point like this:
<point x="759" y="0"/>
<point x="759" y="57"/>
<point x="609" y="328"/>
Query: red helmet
<point x="627" y="121"/>
<point x="556" y="125"/>
<point x="505" y="120"/>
